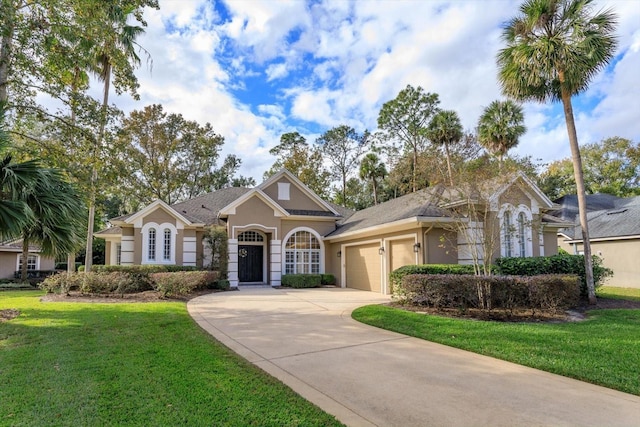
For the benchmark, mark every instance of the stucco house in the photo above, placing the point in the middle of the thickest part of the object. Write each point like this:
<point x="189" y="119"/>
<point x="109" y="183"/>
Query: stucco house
<point x="282" y="227"/>
<point x="11" y="259"/>
<point x="614" y="231"/>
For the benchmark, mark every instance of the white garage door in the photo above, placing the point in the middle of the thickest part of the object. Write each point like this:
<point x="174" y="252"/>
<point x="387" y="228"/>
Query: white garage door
<point x="363" y="267"/>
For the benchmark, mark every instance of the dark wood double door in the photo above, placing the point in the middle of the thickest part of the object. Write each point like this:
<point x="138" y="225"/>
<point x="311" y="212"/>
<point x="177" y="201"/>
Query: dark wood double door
<point x="250" y="263"/>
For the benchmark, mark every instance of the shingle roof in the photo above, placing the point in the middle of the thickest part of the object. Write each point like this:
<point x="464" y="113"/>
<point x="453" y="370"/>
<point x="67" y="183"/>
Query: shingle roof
<point x="420" y="203"/>
<point x="110" y="230"/>
<point x="205" y="208"/>
<point x="569" y="205"/>
<point x="620" y="217"/>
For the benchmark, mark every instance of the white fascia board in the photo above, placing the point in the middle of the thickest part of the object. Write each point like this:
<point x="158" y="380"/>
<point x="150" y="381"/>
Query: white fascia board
<point x="136" y="217"/>
<point x="394" y="226"/>
<point x="306" y="190"/>
<point x="230" y="209"/>
<point x="606" y="239"/>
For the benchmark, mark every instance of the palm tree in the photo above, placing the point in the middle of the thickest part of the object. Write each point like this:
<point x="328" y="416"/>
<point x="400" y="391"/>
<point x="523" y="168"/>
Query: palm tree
<point x="15" y="180"/>
<point x="554" y="49"/>
<point x="372" y="168"/>
<point x="57" y="220"/>
<point x="500" y="126"/>
<point x="445" y="129"/>
<point x="118" y="51"/>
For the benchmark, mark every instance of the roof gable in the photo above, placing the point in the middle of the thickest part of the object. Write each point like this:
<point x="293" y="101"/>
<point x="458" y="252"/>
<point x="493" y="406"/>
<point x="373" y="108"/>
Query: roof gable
<point x="312" y="199"/>
<point x="538" y="199"/>
<point x="231" y="208"/>
<point x="136" y="218"/>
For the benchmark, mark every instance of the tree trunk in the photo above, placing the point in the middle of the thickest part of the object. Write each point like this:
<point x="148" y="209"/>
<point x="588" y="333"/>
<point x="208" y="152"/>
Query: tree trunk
<point x="375" y="190"/>
<point x="24" y="271"/>
<point x="446" y="150"/>
<point x="88" y="259"/>
<point x="415" y="166"/>
<point x="6" y="46"/>
<point x="582" y="198"/>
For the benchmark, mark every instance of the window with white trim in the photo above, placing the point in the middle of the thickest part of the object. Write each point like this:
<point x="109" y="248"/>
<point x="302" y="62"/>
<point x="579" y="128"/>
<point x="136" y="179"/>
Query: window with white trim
<point x="151" y="245"/>
<point x="166" y="253"/>
<point x="250" y="236"/>
<point x="159" y="243"/>
<point x="118" y="254"/>
<point x="515" y="231"/>
<point x="302" y="254"/>
<point x="507" y="234"/>
<point x="32" y="262"/>
<point x="522" y="237"/>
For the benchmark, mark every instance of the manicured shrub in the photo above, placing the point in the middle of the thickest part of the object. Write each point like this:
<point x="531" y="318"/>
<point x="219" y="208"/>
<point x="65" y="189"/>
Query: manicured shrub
<point x="327" y="279"/>
<point x="301" y="280"/>
<point x="556" y="264"/>
<point x="61" y="283"/>
<point x="182" y="283"/>
<point x="141" y="274"/>
<point x="115" y="282"/>
<point x="396" y="275"/>
<point x="222" y="284"/>
<point x="547" y="292"/>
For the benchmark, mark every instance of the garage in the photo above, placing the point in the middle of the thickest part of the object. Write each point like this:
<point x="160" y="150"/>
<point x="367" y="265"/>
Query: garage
<point x="401" y="253"/>
<point x="363" y="267"/>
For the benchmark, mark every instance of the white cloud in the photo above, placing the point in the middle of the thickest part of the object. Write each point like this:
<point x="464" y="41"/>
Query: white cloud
<point x="356" y="56"/>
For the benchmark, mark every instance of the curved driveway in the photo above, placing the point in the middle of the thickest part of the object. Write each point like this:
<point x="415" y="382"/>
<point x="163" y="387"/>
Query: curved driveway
<point x="367" y="376"/>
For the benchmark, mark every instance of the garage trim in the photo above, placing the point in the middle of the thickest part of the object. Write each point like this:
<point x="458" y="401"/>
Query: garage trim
<point x="343" y="262"/>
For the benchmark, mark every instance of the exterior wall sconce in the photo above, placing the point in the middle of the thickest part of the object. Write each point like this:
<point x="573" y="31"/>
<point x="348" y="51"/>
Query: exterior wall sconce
<point x="416" y="247"/>
<point x="339" y="254"/>
<point x="381" y="250"/>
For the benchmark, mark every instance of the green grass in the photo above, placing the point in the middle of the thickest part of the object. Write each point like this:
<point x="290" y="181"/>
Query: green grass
<point x="619" y="293"/>
<point x="79" y="364"/>
<point x="603" y="350"/>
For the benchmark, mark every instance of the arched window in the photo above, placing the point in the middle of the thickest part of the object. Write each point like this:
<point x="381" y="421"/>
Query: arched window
<point x="250" y="236"/>
<point x="151" y="245"/>
<point x="166" y="253"/>
<point x="302" y="254"/>
<point x="507" y="234"/>
<point x="159" y="243"/>
<point x="522" y="238"/>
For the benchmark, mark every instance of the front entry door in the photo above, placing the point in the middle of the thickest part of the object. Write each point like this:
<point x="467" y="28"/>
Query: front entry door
<point x="250" y="267"/>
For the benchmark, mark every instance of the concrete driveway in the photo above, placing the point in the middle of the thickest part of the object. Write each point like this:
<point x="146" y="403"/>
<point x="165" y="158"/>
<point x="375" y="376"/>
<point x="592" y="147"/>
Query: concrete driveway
<point x="367" y="376"/>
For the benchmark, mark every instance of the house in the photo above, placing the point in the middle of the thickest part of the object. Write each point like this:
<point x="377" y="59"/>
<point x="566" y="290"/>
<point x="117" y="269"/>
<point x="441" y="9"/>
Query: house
<point x="614" y="232"/>
<point x="282" y="227"/>
<point x="11" y="259"/>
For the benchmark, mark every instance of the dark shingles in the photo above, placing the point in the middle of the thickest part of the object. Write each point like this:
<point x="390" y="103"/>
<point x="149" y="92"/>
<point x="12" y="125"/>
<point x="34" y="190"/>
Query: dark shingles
<point x="619" y="217"/>
<point x="205" y="208"/>
<point x="420" y="203"/>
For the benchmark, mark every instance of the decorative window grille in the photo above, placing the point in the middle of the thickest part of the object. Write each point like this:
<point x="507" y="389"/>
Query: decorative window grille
<point x="302" y="254"/>
<point x="151" y="248"/>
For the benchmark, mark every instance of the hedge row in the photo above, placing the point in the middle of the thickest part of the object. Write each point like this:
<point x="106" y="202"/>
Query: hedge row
<point x="396" y="275"/>
<point x="120" y="282"/>
<point x="556" y="264"/>
<point x="301" y="280"/>
<point x="547" y="292"/>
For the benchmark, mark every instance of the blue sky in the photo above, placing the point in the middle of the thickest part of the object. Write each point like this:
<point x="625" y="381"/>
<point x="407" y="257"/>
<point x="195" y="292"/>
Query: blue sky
<point x="256" y="69"/>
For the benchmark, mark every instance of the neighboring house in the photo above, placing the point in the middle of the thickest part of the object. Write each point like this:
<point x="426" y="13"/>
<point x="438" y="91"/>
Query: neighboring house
<point x="11" y="259"/>
<point x="614" y="231"/>
<point x="282" y="227"/>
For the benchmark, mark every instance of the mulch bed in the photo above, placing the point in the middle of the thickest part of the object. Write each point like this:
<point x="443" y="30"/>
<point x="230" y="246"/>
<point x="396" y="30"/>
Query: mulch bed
<point x="8" y="314"/>
<point x="574" y="315"/>
<point x="147" y="296"/>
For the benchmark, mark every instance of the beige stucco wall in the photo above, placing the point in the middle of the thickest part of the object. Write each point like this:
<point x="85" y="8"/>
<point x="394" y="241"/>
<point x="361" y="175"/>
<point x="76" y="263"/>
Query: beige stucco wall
<point x="137" y="246"/>
<point x="515" y="196"/>
<point x="9" y="263"/>
<point x="550" y="243"/>
<point x="127" y="231"/>
<point x="321" y="227"/>
<point x="253" y="211"/>
<point x="441" y="247"/>
<point x="622" y="257"/>
<point x="297" y="199"/>
<point x="159" y="216"/>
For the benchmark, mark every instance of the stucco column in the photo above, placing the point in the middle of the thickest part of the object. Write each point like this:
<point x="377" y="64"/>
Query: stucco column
<point x="276" y="263"/>
<point x="127" y="250"/>
<point x="233" y="262"/>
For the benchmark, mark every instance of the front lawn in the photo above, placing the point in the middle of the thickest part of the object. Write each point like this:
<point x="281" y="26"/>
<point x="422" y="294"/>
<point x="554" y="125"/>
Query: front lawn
<point x="131" y="364"/>
<point x="619" y="293"/>
<point x="603" y="350"/>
